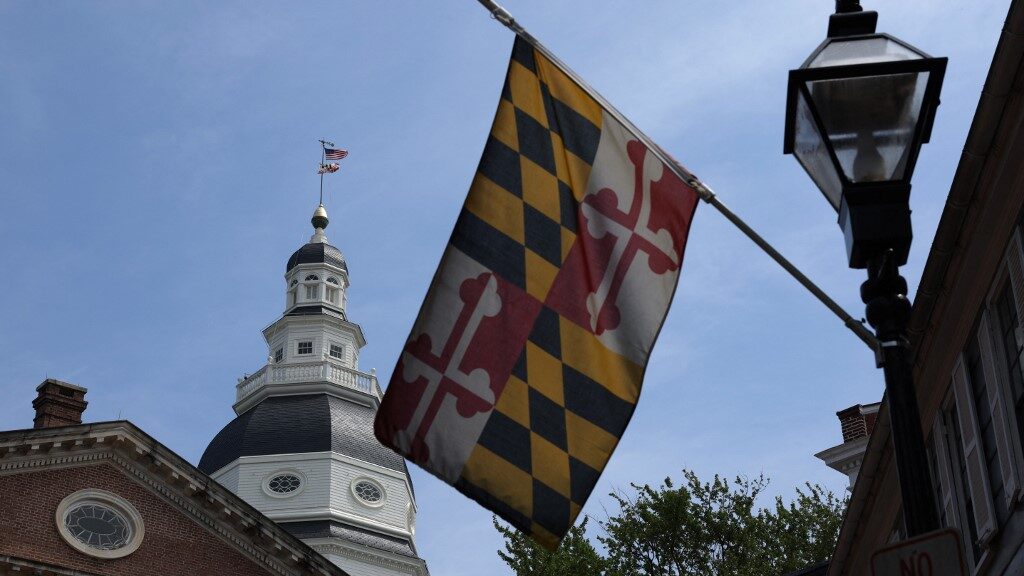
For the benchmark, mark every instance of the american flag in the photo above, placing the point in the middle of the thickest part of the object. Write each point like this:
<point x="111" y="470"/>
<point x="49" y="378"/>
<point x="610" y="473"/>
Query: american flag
<point x="334" y="154"/>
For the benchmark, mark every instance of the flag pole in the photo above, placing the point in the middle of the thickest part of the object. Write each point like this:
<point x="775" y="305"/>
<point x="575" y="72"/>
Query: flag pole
<point x="323" y="158"/>
<point x="702" y="190"/>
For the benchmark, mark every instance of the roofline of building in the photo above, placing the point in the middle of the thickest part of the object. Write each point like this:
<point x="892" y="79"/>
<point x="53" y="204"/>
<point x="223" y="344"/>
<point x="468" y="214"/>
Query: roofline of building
<point x="842" y="453"/>
<point x="974" y="161"/>
<point x="142" y="449"/>
<point x="980" y="161"/>
<point x="61" y="383"/>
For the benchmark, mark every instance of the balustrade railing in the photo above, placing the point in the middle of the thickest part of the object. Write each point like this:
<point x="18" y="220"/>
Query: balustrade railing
<point x="308" y="372"/>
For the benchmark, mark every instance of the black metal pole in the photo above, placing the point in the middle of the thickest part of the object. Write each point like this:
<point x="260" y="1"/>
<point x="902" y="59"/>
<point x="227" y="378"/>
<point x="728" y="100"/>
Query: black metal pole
<point x="888" y="311"/>
<point x="846" y="6"/>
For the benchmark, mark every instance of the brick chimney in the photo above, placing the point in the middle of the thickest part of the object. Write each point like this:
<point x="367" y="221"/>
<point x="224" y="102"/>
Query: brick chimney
<point x="858" y="421"/>
<point x="58" y="404"/>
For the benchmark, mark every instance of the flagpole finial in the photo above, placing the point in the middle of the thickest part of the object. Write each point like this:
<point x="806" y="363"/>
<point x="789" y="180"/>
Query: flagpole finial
<point x="319" y="219"/>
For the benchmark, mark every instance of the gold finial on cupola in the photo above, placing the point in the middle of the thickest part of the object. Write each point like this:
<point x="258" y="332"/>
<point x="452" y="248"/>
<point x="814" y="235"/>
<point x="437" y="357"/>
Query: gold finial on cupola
<point x="319" y="219"/>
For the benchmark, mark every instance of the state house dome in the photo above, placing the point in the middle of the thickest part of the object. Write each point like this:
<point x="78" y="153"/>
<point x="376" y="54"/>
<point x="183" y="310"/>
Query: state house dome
<point x="301" y="447"/>
<point x="317" y="253"/>
<point x="300" y="424"/>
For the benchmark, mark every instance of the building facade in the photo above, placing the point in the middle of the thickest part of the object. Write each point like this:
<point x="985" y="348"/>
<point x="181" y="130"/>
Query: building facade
<point x="301" y="449"/>
<point x="967" y="329"/>
<point x="106" y="499"/>
<point x="857" y="423"/>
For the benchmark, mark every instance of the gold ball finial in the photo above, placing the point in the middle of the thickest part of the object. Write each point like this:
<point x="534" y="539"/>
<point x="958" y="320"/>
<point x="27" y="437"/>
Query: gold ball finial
<point x="319" y="219"/>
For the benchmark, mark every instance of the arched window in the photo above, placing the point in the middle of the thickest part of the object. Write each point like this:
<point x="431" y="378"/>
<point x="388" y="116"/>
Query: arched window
<point x="292" y="292"/>
<point x="332" y="293"/>
<point x="312" y="290"/>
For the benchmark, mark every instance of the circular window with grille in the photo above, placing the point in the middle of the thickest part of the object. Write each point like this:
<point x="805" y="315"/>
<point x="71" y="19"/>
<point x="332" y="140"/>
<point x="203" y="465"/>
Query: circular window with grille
<point x="283" y="484"/>
<point x="99" y="523"/>
<point x="368" y="492"/>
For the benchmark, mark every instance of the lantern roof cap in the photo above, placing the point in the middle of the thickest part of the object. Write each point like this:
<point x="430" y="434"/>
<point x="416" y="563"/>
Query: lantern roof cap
<point x="865" y="49"/>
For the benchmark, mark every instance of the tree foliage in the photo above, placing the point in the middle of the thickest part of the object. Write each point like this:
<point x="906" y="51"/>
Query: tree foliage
<point x="707" y="528"/>
<point x="576" y="555"/>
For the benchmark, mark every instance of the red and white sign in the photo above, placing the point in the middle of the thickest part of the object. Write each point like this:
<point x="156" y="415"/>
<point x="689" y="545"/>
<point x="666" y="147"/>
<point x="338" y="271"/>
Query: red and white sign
<point x="933" y="554"/>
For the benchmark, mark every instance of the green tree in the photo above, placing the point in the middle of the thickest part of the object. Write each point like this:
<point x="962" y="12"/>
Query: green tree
<point x="707" y="528"/>
<point x="803" y="532"/>
<point x="575" y="556"/>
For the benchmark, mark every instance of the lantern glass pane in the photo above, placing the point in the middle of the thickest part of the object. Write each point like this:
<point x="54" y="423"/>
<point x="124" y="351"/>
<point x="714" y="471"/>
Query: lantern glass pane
<point x="871" y="121"/>
<point x="809" y="148"/>
<point x="842" y="52"/>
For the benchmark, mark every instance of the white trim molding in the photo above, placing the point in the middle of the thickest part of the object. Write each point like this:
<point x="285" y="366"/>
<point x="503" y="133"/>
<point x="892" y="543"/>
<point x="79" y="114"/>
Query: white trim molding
<point x="359" y="553"/>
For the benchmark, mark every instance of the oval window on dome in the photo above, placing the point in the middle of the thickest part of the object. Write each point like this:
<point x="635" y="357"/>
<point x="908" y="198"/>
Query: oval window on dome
<point x="294" y="282"/>
<point x="369" y="492"/>
<point x="312" y="277"/>
<point x="332" y="280"/>
<point x="284" y="484"/>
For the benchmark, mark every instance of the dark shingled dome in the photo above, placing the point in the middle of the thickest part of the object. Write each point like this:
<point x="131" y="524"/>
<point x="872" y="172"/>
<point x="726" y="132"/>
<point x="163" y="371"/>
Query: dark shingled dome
<point x="299" y="424"/>
<point x="317" y="253"/>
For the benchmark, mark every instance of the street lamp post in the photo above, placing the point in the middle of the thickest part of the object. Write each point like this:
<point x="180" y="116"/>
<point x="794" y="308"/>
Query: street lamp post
<point x="857" y="113"/>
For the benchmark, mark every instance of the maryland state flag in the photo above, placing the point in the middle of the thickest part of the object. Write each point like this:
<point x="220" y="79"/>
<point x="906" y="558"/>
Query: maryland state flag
<point x="526" y="361"/>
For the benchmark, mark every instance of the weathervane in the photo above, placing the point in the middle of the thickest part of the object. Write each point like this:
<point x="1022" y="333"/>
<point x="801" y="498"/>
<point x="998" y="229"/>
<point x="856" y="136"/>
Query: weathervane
<point x="328" y="152"/>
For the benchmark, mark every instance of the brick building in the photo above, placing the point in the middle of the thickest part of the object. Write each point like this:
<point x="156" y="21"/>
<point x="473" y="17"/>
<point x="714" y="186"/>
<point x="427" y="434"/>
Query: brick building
<point x="107" y="499"/>
<point x="857" y="422"/>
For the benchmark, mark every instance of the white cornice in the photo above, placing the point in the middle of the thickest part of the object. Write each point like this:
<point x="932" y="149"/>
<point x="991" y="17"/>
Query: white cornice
<point x="838" y="457"/>
<point x="314" y="319"/>
<point x="14" y="566"/>
<point x="318" y="266"/>
<point x="309" y="514"/>
<point x="304" y="388"/>
<point x="358" y="552"/>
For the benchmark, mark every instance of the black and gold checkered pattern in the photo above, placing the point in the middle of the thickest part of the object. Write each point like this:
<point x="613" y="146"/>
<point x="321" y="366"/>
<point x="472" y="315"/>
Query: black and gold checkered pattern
<point x="520" y="216"/>
<point x="569" y="397"/>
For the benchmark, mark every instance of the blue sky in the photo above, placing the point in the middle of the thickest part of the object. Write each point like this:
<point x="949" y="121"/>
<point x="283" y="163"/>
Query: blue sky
<point x="157" y="168"/>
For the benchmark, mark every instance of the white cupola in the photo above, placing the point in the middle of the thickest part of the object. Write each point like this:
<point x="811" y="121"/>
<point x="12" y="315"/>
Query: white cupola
<point x="301" y="448"/>
<point x="317" y="274"/>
